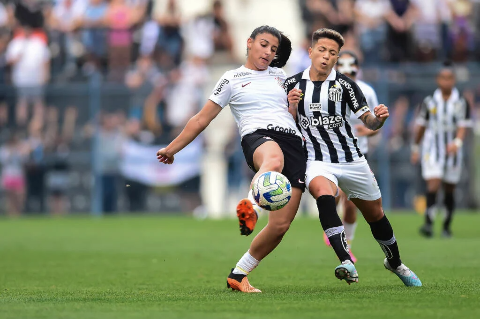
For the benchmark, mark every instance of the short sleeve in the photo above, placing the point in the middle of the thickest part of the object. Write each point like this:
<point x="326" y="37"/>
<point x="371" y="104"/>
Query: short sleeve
<point x="12" y="50"/>
<point x="423" y="114"/>
<point x="464" y="117"/>
<point x="355" y="99"/>
<point x="222" y="93"/>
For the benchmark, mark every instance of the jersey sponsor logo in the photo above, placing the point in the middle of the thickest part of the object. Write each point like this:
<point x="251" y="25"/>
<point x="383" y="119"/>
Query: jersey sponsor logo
<point x="240" y="74"/>
<point x="220" y="86"/>
<point x="335" y="93"/>
<point x="290" y="81"/>
<point x="327" y="121"/>
<point x="315" y="107"/>
<point x="244" y="85"/>
<point x="277" y="128"/>
<point x="353" y="98"/>
<point x="280" y="81"/>
<point x="275" y="72"/>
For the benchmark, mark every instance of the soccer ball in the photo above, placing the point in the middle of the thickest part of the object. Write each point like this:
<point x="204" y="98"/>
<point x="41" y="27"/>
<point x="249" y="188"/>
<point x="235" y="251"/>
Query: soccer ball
<point x="272" y="190"/>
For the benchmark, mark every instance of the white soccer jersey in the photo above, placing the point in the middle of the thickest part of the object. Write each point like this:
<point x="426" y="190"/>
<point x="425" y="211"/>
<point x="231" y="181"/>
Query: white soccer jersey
<point x="257" y="100"/>
<point x="372" y="101"/>
<point x="324" y="116"/>
<point x="441" y="120"/>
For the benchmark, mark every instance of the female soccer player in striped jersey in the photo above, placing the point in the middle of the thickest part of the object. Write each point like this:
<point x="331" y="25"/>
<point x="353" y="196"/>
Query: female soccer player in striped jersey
<point x="334" y="159"/>
<point x="443" y="119"/>
<point x="270" y="139"/>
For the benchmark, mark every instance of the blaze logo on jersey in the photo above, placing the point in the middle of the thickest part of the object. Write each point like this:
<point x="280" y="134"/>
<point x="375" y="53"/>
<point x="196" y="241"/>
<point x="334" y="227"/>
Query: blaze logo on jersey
<point x="335" y="93"/>
<point x="220" y="86"/>
<point x="327" y="121"/>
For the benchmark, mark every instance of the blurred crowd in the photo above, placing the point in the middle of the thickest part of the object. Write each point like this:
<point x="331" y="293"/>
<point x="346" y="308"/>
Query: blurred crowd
<point x="155" y="65"/>
<point x="138" y="48"/>
<point x="401" y="30"/>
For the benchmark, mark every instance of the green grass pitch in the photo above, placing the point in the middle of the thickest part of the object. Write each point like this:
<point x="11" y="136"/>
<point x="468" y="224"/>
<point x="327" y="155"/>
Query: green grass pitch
<point x="167" y="267"/>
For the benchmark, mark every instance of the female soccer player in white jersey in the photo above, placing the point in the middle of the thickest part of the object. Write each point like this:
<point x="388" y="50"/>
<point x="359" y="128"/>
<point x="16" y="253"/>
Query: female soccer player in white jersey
<point x="270" y="139"/>
<point x="334" y="159"/>
<point x="443" y="119"/>
<point x="349" y="65"/>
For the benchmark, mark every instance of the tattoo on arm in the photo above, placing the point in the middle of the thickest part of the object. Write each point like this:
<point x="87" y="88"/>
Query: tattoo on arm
<point x="371" y="121"/>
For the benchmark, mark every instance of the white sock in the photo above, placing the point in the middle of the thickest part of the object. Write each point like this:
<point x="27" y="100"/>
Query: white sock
<point x="246" y="264"/>
<point x="257" y="208"/>
<point x="350" y="230"/>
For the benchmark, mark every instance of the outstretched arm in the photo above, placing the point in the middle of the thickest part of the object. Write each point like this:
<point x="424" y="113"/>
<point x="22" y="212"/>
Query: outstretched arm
<point x="193" y="128"/>
<point x="375" y="122"/>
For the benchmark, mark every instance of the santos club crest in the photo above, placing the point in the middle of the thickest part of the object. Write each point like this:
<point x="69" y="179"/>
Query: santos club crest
<point x="335" y="93"/>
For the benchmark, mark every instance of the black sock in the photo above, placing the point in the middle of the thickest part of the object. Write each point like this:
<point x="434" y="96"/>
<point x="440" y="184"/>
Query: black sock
<point x="450" y="207"/>
<point x="333" y="227"/>
<point x="383" y="232"/>
<point x="431" y="201"/>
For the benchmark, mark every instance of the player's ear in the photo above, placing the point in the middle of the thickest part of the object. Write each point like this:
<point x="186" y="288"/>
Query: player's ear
<point x="310" y="52"/>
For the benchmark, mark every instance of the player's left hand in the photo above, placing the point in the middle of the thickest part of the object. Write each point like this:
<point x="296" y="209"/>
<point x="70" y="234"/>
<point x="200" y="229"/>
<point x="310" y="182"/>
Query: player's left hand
<point x="452" y="148"/>
<point x="381" y="112"/>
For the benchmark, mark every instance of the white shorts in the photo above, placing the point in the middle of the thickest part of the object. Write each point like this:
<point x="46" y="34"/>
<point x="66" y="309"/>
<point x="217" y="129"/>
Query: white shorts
<point x="448" y="174"/>
<point x="356" y="179"/>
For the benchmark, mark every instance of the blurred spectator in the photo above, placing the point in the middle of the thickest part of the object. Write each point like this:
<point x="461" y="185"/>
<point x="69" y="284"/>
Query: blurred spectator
<point x="370" y="17"/>
<point x="461" y="30"/>
<point x="29" y="57"/>
<point x="94" y="34"/>
<point x="110" y="147"/>
<point x="222" y="38"/>
<point x="400" y="19"/>
<point x="63" y="21"/>
<point x="170" y="42"/>
<point x="320" y="14"/>
<point x="4" y="38"/>
<point x="145" y="82"/>
<point x="58" y="180"/>
<point x="120" y="19"/>
<point x="430" y="14"/>
<point x="185" y="97"/>
<point x="35" y="169"/>
<point x="13" y="155"/>
<point x="29" y="13"/>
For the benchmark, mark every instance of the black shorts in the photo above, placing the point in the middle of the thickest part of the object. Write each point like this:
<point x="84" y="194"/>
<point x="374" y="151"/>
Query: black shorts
<point x="294" y="153"/>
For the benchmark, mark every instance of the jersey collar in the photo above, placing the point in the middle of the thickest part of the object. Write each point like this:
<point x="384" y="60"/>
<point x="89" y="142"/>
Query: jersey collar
<point x="331" y="77"/>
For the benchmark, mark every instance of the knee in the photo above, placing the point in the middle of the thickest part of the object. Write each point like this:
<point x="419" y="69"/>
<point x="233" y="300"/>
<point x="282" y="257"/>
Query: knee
<point x="280" y="228"/>
<point x="275" y="163"/>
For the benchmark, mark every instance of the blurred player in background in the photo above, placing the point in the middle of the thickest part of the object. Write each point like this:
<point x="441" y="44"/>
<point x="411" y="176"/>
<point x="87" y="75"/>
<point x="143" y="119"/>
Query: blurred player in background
<point x="348" y="65"/>
<point x="270" y="139"/>
<point x="443" y="119"/>
<point x="323" y="100"/>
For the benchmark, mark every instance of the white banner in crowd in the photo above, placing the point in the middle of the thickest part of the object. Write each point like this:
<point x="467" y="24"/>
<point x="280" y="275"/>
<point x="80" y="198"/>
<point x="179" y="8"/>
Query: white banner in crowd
<point x="139" y="163"/>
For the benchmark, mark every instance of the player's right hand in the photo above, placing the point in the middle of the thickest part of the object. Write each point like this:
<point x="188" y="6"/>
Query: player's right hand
<point x="163" y="157"/>
<point x="294" y="96"/>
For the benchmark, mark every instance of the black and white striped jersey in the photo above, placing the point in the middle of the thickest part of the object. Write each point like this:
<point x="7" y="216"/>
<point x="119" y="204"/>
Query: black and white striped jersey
<point x="323" y="116"/>
<point x="441" y="120"/>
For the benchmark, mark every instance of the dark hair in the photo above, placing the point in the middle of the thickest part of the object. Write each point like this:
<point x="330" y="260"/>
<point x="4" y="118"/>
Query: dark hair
<point x="447" y="65"/>
<point x="284" y="49"/>
<point x="352" y="54"/>
<point x="329" y="34"/>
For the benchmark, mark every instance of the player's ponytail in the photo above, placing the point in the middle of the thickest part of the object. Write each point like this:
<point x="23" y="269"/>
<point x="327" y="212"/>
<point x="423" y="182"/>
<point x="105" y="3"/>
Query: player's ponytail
<point x="284" y="49"/>
<point x="283" y="52"/>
